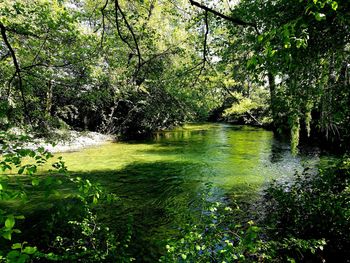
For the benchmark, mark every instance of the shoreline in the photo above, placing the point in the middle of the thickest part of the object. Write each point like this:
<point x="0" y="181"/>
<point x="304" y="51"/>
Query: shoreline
<point x="72" y="141"/>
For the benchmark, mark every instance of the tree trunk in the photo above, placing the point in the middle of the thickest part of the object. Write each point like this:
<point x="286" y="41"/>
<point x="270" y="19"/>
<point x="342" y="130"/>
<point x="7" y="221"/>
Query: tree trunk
<point x="272" y="86"/>
<point x="48" y="98"/>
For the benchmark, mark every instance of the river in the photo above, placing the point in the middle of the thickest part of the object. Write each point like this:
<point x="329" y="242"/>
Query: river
<point x="158" y="179"/>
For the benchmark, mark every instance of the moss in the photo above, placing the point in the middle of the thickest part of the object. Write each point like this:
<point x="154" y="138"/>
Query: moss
<point x="295" y="131"/>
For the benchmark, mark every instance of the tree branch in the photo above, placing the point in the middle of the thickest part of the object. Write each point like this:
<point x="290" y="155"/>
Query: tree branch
<point x="103" y="22"/>
<point x="17" y="67"/>
<point x="5" y="56"/>
<point x="46" y="66"/>
<point x="41" y="47"/>
<point x="118" y="27"/>
<point x="225" y="17"/>
<point x="158" y="55"/>
<point x="205" y="37"/>
<point x="150" y="10"/>
<point x="205" y="60"/>
<point x="118" y="8"/>
<point x="21" y="32"/>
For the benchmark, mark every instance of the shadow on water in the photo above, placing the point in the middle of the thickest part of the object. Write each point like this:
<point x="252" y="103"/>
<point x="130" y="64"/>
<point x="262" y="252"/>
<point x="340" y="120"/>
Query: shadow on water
<point x="157" y="196"/>
<point x="160" y="181"/>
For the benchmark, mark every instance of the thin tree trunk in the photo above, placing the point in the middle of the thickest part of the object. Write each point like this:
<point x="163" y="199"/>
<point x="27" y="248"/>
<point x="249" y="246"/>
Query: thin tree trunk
<point x="48" y="98"/>
<point x="272" y="86"/>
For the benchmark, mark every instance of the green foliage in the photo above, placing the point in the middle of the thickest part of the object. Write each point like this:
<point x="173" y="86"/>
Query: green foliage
<point x="81" y="234"/>
<point x="85" y="70"/>
<point x="314" y="206"/>
<point x="20" y="253"/>
<point x="215" y="238"/>
<point x="252" y="109"/>
<point x="89" y="66"/>
<point x="220" y="237"/>
<point x="299" y="50"/>
<point x="295" y="130"/>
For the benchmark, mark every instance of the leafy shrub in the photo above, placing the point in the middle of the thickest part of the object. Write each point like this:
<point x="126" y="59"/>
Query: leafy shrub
<point x="219" y="236"/>
<point x="215" y="238"/>
<point x="312" y="207"/>
<point x="69" y="231"/>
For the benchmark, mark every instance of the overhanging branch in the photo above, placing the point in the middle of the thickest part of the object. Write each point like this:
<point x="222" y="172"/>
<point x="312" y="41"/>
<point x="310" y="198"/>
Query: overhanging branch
<point x="17" y="68"/>
<point x="223" y="16"/>
<point x="205" y="36"/>
<point x="118" y="9"/>
<point x="103" y="22"/>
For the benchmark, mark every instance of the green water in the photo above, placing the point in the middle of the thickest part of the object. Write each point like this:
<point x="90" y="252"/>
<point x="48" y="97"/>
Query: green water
<point x="159" y="179"/>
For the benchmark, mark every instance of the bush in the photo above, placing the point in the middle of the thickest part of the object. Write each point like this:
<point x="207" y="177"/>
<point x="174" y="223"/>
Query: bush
<point x="215" y="238"/>
<point x="306" y="220"/>
<point x="312" y="207"/>
<point x="69" y="231"/>
<point x="219" y="236"/>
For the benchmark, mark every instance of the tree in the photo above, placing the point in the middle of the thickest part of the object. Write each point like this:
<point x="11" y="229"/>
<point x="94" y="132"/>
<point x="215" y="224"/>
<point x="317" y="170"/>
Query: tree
<point x="300" y="51"/>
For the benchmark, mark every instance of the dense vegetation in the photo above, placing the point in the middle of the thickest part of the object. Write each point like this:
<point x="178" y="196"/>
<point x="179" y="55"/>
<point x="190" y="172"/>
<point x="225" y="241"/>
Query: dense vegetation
<point x="109" y="66"/>
<point x="130" y="68"/>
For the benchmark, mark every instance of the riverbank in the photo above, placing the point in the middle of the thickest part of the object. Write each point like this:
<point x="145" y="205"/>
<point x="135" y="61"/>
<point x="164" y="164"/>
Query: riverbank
<point x="70" y="141"/>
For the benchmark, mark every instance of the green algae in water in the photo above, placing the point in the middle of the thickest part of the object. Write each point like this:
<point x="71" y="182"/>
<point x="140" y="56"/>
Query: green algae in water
<point x="228" y="156"/>
<point x="158" y="180"/>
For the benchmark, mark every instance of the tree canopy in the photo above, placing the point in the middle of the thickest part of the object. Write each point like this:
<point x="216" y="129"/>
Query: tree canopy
<point x="132" y="67"/>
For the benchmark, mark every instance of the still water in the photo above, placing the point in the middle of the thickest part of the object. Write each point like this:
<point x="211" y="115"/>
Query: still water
<point x="159" y="179"/>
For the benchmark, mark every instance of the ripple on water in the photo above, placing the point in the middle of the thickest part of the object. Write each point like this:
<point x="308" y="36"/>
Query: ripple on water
<point x="160" y="179"/>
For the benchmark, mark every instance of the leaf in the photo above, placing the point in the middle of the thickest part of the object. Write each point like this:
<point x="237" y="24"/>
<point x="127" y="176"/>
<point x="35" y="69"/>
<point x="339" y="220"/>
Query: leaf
<point x="7" y="235"/>
<point x="17" y="246"/>
<point x="299" y="43"/>
<point x="10" y="222"/>
<point x="21" y="170"/>
<point x="22" y="258"/>
<point x="29" y="250"/>
<point x="334" y="5"/>
<point x="251" y="63"/>
<point x="35" y="182"/>
<point x="13" y="255"/>
<point x="5" y="166"/>
<point x="272" y="53"/>
<point x="287" y="45"/>
<point x="251" y="222"/>
<point x="41" y="149"/>
<point x="320" y="16"/>
<point x="31" y="170"/>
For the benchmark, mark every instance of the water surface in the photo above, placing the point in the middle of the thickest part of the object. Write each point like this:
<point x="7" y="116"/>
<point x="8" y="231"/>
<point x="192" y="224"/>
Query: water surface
<point x="159" y="179"/>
